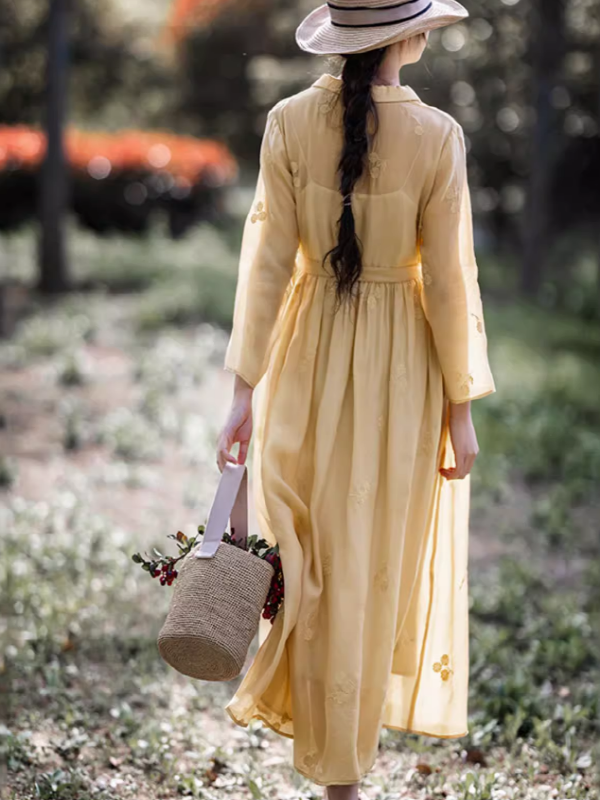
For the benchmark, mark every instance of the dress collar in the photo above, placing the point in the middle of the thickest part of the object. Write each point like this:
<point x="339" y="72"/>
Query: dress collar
<point x="379" y="92"/>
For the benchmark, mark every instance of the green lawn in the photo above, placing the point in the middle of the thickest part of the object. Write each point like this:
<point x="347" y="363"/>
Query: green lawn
<point x="111" y="400"/>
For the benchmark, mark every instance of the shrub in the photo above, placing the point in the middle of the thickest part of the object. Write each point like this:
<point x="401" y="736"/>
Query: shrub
<point x="118" y="180"/>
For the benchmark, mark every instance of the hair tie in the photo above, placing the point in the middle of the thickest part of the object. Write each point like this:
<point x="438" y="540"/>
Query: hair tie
<point x="347" y="200"/>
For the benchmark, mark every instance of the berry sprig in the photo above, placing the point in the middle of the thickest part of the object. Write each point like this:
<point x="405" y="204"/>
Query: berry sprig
<point x="270" y="553"/>
<point x="275" y="595"/>
<point x="164" y="566"/>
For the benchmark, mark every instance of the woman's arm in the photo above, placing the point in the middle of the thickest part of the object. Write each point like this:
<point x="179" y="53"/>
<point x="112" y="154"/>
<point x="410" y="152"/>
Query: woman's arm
<point x="238" y="427"/>
<point x="464" y="441"/>
<point x="268" y="253"/>
<point x="452" y="298"/>
<point x="451" y="294"/>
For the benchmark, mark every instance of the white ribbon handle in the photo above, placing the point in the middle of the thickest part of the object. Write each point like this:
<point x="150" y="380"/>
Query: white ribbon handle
<point x="231" y="502"/>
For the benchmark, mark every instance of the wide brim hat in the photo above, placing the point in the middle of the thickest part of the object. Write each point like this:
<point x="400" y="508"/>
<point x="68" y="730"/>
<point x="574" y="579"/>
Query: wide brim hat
<point x="355" y="26"/>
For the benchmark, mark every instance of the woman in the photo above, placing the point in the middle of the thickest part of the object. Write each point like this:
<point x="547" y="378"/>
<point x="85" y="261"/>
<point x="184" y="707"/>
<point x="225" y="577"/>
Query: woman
<point x="358" y="311"/>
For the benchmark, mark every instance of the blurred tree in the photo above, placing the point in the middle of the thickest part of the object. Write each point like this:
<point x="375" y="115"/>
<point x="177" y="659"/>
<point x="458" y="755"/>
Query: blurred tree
<point x="547" y="42"/>
<point x="597" y="71"/>
<point x="117" y="78"/>
<point x="234" y="66"/>
<point x="119" y="180"/>
<point x="54" y="180"/>
<point x="522" y="78"/>
<point x="108" y="70"/>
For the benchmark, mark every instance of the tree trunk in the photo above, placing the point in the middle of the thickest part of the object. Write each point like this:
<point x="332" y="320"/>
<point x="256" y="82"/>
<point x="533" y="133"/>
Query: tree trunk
<point x="54" y="174"/>
<point x="597" y="73"/>
<point x="547" y="47"/>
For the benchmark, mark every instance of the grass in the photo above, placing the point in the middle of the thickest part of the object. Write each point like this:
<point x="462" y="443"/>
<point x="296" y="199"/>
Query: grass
<point x="110" y="401"/>
<point x="120" y="263"/>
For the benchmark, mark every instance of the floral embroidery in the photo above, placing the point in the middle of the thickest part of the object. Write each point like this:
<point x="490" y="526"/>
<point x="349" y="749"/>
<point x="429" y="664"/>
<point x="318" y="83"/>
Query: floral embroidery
<point x="327" y="566"/>
<point x="328" y="102"/>
<point x="417" y="300"/>
<point x="309" y="625"/>
<point x="296" y="177"/>
<point x="465" y="382"/>
<point x="381" y="578"/>
<point x="478" y="323"/>
<point x="306" y="361"/>
<point x="310" y="759"/>
<point x="380" y="422"/>
<point x="343" y="690"/>
<point x="361" y="493"/>
<point x="442" y="667"/>
<point x="330" y="286"/>
<point x="427" y="279"/>
<point x="418" y="129"/>
<point x="374" y="295"/>
<point x="452" y="196"/>
<point x="426" y="446"/>
<point x="376" y="164"/>
<point x="261" y="214"/>
<point x="405" y="638"/>
<point x="399" y="377"/>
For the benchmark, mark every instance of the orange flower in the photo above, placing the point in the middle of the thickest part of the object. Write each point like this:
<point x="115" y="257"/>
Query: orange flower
<point x="185" y="158"/>
<point x="187" y="14"/>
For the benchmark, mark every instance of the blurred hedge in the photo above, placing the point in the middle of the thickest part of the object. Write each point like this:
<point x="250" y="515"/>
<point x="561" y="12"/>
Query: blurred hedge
<point x="119" y="180"/>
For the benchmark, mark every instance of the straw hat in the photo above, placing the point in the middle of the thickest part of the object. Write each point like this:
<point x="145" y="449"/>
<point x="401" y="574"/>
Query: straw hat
<point x="355" y="26"/>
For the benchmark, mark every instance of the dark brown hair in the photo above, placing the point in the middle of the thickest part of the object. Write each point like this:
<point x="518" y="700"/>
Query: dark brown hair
<point x="357" y="76"/>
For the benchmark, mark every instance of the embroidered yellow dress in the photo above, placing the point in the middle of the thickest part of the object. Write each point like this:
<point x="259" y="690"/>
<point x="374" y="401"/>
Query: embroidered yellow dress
<point x="350" y="428"/>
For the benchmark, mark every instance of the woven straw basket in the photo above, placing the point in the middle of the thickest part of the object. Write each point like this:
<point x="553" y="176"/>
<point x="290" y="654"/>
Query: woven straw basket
<point x="219" y="593"/>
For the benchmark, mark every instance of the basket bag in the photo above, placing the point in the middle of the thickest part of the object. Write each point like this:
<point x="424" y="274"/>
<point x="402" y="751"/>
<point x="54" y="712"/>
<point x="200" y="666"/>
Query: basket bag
<point x="220" y="591"/>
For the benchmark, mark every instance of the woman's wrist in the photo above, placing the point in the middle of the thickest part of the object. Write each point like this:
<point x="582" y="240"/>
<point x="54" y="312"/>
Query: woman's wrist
<point x="241" y="388"/>
<point x="458" y="410"/>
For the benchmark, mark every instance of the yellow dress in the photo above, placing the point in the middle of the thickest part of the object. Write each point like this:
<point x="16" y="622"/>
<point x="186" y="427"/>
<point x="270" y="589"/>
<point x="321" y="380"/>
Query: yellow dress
<point x="351" y="426"/>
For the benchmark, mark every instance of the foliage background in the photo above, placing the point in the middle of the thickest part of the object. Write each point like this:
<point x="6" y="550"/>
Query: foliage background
<point x="112" y="394"/>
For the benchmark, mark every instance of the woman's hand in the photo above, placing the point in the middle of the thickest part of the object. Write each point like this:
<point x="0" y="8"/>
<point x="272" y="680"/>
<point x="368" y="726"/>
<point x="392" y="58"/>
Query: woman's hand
<point x="238" y="427"/>
<point x="464" y="441"/>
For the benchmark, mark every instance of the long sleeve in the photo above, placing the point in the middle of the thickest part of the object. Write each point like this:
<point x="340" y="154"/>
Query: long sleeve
<point x="269" y="245"/>
<point x="451" y="294"/>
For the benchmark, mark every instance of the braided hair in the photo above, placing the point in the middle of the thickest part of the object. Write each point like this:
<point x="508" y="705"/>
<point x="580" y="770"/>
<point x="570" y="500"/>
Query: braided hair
<point x="357" y="76"/>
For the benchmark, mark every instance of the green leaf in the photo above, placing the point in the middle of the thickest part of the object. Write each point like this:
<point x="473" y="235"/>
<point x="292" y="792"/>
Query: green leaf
<point x="469" y="780"/>
<point x="157" y="552"/>
<point x="137" y="558"/>
<point x="256" y="792"/>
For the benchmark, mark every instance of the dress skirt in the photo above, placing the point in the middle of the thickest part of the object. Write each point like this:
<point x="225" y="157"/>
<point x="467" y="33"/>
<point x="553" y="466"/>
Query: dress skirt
<point x="350" y="429"/>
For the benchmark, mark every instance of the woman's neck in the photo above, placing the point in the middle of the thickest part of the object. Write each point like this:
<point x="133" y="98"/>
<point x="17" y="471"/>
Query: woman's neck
<point x="388" y="77"/>
<point x="388" y="73"/>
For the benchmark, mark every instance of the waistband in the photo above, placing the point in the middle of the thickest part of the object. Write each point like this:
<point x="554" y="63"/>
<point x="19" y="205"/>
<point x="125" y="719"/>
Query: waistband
<point x="404" y="272"/>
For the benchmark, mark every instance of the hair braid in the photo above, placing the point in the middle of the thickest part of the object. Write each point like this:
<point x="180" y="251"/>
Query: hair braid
<point x="357" y="76"/>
